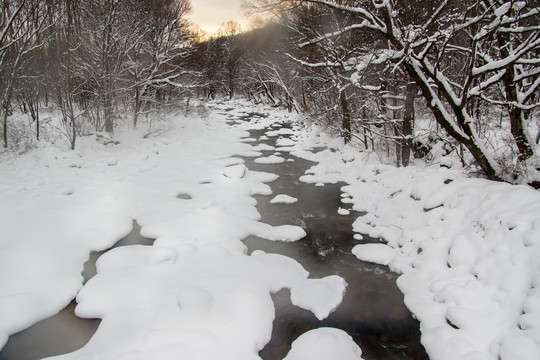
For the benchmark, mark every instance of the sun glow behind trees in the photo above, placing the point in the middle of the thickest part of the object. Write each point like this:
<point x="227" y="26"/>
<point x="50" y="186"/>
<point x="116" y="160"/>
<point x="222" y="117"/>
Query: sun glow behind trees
<point x="210" y="15"/>
<point x="362" y="68"/>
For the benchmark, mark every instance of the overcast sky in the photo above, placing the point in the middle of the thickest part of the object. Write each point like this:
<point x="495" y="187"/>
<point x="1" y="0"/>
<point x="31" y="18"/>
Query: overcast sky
<point x="210" y="14"/>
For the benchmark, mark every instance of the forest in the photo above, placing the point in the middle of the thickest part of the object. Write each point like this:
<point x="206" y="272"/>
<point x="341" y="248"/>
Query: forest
<point x="404" y="79"/>
<point x="346" y="179"/>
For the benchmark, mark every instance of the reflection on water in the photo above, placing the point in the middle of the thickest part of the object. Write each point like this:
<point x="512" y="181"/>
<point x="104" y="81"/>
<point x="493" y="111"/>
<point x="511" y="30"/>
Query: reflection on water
<point x="372" y="311"/>
<point x="63" y="332"/>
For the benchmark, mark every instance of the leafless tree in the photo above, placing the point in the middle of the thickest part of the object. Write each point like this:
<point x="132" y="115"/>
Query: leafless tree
<point x="155" y="61"/>
<point x="457" y="53"/>
<point x="24" y="26"/>
<point x="231" y="55"/>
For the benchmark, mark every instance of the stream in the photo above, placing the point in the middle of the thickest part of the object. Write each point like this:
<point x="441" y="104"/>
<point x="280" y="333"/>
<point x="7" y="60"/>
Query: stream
<point x="372" y="311"/>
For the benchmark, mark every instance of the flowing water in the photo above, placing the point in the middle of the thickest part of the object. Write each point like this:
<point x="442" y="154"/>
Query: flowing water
<point x="372" y="312"/>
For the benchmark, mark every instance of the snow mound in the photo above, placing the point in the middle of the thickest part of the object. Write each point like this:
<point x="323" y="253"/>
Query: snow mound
<point x="283" y="199"/>
<point x="285" y="142"/>
<point x="285" y="131"/>
<point x="375" y="253"/>
<point x="347" y="156"/>
<point x="263" y="147"/>
<point x="235" y="171"/>
<point x="320" y="296"/>
<point x="272" y="159"/>
<point x="324" y="344"/>
<point x="205" y="303"/>
<point x="287" y="233"/>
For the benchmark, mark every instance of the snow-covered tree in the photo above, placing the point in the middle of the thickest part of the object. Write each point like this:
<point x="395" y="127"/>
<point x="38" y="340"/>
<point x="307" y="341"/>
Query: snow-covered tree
<point x="62" y="74"/>
<point x="23" y="29"/>
<point x="155" y="61"/>
<point x="458" y="53"/>
<point x="232" y="53"/>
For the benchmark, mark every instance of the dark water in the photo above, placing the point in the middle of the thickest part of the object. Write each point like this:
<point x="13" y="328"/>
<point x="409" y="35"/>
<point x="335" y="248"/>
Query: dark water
<point x="63" y="332"/>
<point x="372" y="311"/>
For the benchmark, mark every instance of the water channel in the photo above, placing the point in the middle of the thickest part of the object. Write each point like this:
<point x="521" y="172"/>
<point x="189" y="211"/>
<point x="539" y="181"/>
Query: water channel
<point x="372" y="311"/>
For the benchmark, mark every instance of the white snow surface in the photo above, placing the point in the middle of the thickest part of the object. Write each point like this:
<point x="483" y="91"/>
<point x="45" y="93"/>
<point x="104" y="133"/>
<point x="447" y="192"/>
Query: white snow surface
<point x="324" y="344"/>
<point x="179" y="300"/>
<point x="467" y="249"/>
<point x="283" y="199"/>
<point x="376" y="253"/>
<point x="320" y="296"/>
<point x="194" y="293"/>
<point x="272" y="159"/>
<point x="284" y="142"/>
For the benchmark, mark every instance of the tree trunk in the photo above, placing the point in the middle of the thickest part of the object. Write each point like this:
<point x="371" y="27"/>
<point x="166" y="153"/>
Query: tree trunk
<point x="37" y="124"/>
<point x="267" y="91"/>
<point x="470" y="140"/>
<point x="397" y="131"/>
<point x="517" y="118"/>
<point x="364" y="120"/>
<point x="136" y="108"/>
<point x="5" y="128"/>
<point x="73" y="132"/>
<point x="408" y="118"/>
<point x="5" y="108"/>
<point x="346" y="124"/>
<point x="304" y="103"/>
<point x="107" y="111"/>
<point x="518" y="131"/>
<point x="187" y="104"/>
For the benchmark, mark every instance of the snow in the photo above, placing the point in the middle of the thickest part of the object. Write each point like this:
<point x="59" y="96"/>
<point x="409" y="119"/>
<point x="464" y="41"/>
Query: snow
<point x="323" y="344"/>
<point x="286" y="233"/>
<point x="183" y="301"/>
<point x="503" y="9"/>
<point x="263" y="147"/>
<point x="59" y="205"/>
<point x="320" y="296"/>
<point x="272" y="159"/>
<point x="284" y="142"/>
<point x="286" y="131"/>
<point x="283" y="199"/>
<point x="376" y="253"/>
<point x="235" y="171"/>
<point x="466" y="249"/>
<point x="46" y="238"/>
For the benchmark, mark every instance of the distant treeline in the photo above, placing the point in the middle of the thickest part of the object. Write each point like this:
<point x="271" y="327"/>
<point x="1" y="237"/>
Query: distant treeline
<point x="402" y="78"/>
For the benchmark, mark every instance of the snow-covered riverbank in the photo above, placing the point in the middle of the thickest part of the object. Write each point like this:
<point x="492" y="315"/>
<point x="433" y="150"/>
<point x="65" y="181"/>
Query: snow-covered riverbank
<point x="187" y="190"/>
<point x="467" y="248"/>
